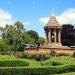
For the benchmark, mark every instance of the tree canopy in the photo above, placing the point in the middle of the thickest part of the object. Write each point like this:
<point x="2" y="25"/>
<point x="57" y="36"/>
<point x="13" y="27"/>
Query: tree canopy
<point x="34" y="35"/>
<point x="68" y="35"/>
<point x="16" y="34"/>
<point x="41" y="40"/>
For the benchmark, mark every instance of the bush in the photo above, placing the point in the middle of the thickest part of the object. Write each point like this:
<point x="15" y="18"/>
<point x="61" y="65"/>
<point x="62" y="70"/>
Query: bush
<point x="63" y="54"/>
<point x="54" y="63"/>
<point x="39" y="56"/>
<point x="13" y="63"/>
<point x="37" y="71"/>
<point x="73" y="55"/>
<point x="53" y="53"/>
<point x="51" y="63"/>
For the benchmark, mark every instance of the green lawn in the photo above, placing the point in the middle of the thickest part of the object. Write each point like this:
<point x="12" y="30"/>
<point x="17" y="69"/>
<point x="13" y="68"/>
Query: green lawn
<point x="34" y="63"/>
<point x="50" y="64"/>
<point x="72" y="73"/>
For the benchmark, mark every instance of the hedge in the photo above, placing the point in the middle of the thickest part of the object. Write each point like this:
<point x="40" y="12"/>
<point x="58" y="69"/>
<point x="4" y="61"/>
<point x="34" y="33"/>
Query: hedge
<point x="73" y="55"/>
<point x="13" y="63"/>
<point x="36" y="71"/>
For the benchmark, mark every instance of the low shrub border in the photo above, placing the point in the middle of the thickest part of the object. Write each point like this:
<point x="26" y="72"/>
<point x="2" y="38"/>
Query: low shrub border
<point x="13" y="63"/>
<point x="36" y="71"/>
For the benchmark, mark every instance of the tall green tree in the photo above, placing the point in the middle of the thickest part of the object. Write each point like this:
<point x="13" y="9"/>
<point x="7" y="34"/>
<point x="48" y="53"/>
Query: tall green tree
<point x="2" y="31"/>
<point x="3" y="45"/>
<point x="15" y="35"/>
<point x="41" y="40"/>
<point x="33" y="34"/>
<point x="19" y="29"/>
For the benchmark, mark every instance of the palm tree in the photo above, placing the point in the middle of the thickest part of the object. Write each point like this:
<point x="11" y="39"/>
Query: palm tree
<point x="2" y="30"/>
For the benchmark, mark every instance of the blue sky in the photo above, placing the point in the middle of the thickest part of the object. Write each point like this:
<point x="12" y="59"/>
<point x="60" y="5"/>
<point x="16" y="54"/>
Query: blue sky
<point x="31" y="11"/>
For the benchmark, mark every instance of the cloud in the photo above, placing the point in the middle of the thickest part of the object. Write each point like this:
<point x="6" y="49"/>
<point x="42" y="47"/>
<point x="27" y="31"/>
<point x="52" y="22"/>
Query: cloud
<point x="44" y="20"/>
<point x="5" y="17"/>
<point x="67" y="17"/>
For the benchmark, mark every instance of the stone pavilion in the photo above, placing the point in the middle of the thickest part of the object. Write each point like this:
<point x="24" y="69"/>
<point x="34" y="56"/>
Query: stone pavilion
<point x="53" y="33"/>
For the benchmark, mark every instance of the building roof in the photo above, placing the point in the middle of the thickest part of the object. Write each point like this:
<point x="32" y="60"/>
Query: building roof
<point x="53" y="23"/>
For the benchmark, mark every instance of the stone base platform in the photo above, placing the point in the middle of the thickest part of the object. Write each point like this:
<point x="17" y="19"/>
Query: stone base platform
<point x="42" y="49"/>
<point x="55" y="45"/>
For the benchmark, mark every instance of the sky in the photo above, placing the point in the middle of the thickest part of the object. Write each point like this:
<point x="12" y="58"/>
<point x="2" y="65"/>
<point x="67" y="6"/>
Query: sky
<point x="34" y="14"/>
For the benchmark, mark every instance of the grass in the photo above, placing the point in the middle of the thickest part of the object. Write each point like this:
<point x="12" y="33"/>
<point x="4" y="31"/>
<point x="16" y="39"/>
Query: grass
<point x="3" y="57"/>
<point x="72" y="73"/>
<point x="34" y="63"/>
<point x="46" y="63"/>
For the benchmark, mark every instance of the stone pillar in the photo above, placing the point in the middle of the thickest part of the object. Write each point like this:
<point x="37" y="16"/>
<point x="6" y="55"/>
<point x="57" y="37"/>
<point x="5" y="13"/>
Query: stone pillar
<point x="55" y="36"/>
<point x="59" y="36"/>
<point x="49" y="36"/>
<point x="46" y="33"/>
<point x="46" y="37"/>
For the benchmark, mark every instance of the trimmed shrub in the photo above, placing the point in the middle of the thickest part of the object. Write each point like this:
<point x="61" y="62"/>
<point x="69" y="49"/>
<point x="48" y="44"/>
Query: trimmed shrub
<point x="38" y="56"/>
<point x="63" y="54"/>
<point x="13" y="63"/>
<point x="73" y="55"/>
<point x="53" y="53"/>
<point x="37" y="71"/>
<point x="51" y="63"/>
<point x="54" y="63"/>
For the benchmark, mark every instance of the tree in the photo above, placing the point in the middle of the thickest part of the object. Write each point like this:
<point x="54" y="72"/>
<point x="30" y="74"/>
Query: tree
<point x="67" y="35"/>
<point x="33" y="34"/>
<point x="19" y="29"/>
<point x="19" y="26"/>
<point x="2" y="31"/>
<point x="27" y="39"/>
<point x="41" y="40"/>
<point x="3" y="45"/>
<point x="10" y="32"/>
<point x="15" y="35"/>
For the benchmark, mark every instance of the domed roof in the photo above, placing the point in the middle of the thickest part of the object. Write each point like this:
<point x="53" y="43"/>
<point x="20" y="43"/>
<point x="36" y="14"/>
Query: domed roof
<point x="53" y="22"/>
